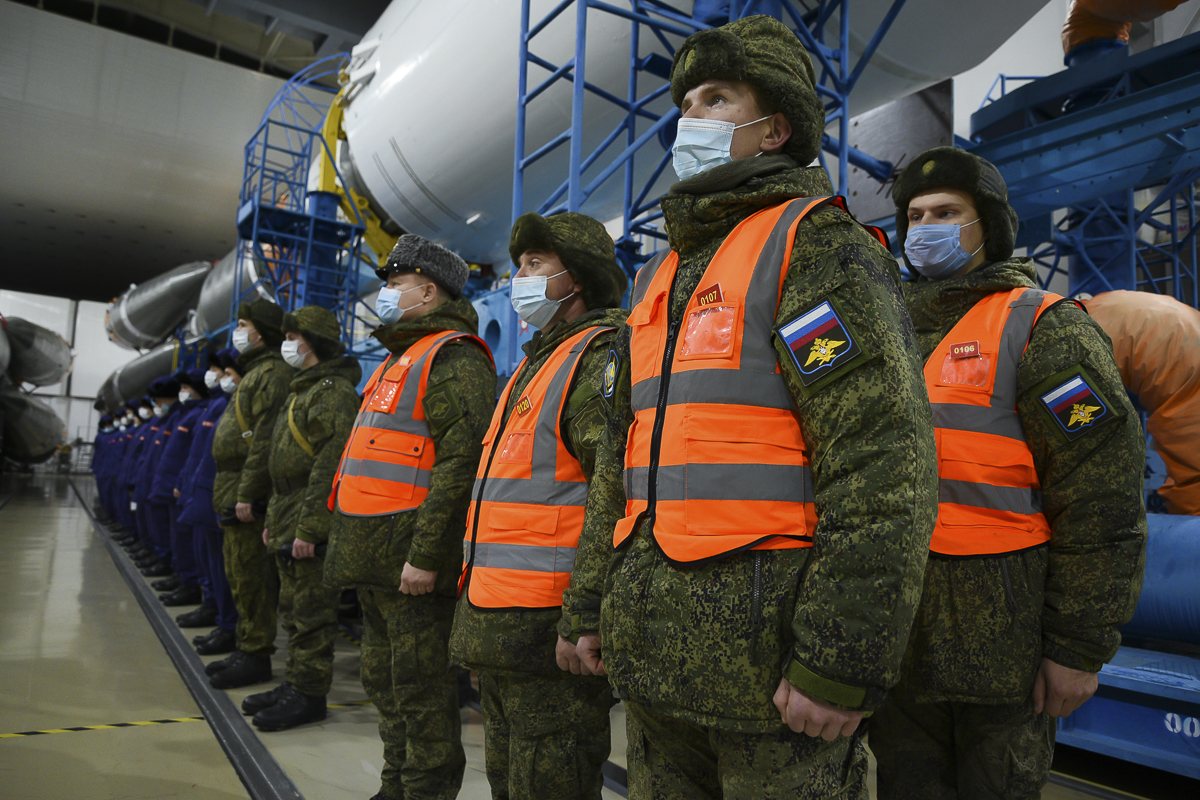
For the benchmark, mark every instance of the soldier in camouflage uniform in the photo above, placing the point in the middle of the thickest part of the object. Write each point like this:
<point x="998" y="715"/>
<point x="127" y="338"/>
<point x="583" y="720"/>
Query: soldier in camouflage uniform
<point x="764" y="661"/>
<point x="546" y="729"/>
<point x="1005" y="642"/>
<point x="406" y="565"/>
<point x="242" y="448"/>
<point x="306" y="446"/>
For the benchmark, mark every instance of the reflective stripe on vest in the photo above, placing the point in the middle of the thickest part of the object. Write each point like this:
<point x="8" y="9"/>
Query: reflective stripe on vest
<point x="529" y="496"/>
<point x="386" y="466"/>
<point x="715" y="456"/>
<point x="990" y="499"/>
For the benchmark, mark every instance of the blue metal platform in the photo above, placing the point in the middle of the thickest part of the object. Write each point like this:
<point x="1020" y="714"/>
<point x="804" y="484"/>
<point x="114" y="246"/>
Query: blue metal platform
<point x="1147" y="710"/>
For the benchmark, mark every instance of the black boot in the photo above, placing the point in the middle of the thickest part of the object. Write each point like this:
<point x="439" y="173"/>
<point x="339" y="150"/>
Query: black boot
<point x="166" y="584"/>
<point x="263" y="700"/>
<point x="293" y="708"/>
<point x="201" y="617"/>
<point x="147" y="560"/>
<point x="213" y="667"/>
<point x="183" y="596"/>
<point x="122" y="538"/>
<point x="156" y="570"/>
<point x="200" y="637"/>
<point x="135" y="549"/>
<point x="220" y="642"/>
<point x="249" y="670"/>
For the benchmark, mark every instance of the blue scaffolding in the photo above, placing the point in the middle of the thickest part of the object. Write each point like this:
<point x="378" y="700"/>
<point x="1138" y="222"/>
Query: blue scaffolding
<point x="1102" y="162"/>
<point x="650" y="56"/>
<point x="310" y="255"/>
<point x="651" y="23"/>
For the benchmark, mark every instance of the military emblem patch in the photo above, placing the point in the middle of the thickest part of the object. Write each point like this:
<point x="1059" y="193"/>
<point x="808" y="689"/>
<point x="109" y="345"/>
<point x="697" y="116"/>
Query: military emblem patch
<point x="1076" y="406"/>
<point x="610" y="375"/>
<point x="818" y="341"/>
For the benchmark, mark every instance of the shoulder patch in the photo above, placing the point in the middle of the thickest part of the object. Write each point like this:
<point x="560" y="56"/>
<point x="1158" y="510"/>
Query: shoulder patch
<point x="1076" y="405"/>
<point x="441" y="407"/>
<point x="819" y="341"/>
<point x="609" y="382"/>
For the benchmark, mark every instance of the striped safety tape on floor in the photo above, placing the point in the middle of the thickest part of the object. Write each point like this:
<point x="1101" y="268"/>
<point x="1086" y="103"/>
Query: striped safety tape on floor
<point x="109" y="726"/>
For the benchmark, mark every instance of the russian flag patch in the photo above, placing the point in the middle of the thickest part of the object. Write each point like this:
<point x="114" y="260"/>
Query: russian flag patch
<point x="1076" y="406"/>
<point x="818" y="342"/>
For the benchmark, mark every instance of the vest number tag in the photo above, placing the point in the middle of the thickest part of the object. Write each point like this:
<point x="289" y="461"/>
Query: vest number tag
<point x="712" y="294"/>
<point x="964" y="350"/>
<point x="523" y="406"/>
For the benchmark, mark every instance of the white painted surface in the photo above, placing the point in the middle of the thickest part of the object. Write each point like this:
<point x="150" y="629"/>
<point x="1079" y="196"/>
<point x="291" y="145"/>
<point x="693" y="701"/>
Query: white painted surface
<point x="96" y="357"/>
<point x="444" y="88"/>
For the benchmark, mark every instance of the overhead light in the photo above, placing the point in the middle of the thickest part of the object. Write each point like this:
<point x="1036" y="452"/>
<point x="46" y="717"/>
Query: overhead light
<point x="478" y="218"/>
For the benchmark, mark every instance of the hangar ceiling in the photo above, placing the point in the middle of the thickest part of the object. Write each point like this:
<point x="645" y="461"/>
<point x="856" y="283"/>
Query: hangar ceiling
<point x="123" y="123"/>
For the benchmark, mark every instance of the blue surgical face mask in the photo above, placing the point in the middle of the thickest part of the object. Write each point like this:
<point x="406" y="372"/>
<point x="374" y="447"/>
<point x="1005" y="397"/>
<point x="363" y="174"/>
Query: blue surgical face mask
<point x="701" y="144"/>
<point x="387" y="304"/>
<point x="529" y="300"/>
<point x="936" y="251"/>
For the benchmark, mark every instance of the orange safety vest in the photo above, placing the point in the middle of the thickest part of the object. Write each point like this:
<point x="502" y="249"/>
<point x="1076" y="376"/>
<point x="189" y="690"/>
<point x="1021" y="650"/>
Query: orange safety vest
<point x="715" y="455"/>
<point x="527" y="508"/>
<point x="388" y="460"/>
<point x="989" y="495"/>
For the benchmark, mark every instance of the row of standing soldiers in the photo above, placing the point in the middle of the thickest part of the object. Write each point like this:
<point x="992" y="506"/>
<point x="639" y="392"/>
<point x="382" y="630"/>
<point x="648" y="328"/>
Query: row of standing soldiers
<point x="784" y="501"/>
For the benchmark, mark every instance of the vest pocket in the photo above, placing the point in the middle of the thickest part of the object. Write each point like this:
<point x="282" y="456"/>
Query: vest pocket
<point x="741" y="474"/>
<point x="984" y="483"/>
<point x="709" y="332"/>
<point x="973" y="371"/>
<point x="391" y="464"/>
<point x="517" y="546"/>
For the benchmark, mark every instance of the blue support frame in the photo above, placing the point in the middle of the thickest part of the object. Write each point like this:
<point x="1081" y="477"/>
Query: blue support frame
<point x="837" y="79"/>
<point x="311" y="257"/>
<point x="1087" y="140"/>
<point x="650" y="58"/>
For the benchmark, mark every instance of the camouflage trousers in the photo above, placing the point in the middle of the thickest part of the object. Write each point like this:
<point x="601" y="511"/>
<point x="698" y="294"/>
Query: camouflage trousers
<point x="545" y="736"/>
<point x="254" y="582"/>
<point x="943" y="751"/>
<point x="406" y="673"/>
<point x="308" y="614"/>
<point x="682" y="759"/>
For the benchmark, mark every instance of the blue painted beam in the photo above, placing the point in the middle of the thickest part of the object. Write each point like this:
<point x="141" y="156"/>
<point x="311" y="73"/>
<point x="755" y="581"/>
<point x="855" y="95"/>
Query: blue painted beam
<point x="1137" y="140"/>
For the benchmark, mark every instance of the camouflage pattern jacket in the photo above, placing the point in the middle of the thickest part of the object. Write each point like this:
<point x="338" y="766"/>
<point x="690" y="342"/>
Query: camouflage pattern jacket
<point x="260" y="395"/>
<point x="710" y="644"/>
<point x="985" y="623"/>
<point x="524" y="641"/>
<point x="459" y="397"/>
<point x="322" y="402"/>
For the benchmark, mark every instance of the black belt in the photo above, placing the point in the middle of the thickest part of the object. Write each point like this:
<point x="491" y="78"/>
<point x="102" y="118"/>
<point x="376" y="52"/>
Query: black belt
<point x="233" y="465"/>
<point x="288" y="485"/>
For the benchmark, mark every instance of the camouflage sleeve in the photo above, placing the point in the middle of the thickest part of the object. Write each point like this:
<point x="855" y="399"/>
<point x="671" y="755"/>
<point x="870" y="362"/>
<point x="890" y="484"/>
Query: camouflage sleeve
<point x="330" y="420"/>
<point x="264" y="404"/>
<point x="869" y="433"/>
<point x="586" y="412"/>
<point x="605" y="504"/>
<point x="459" y="400"/>
<point x="1091" y="480"/>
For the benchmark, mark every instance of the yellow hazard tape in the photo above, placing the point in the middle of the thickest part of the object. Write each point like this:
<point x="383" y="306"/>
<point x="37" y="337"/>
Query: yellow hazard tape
<point x="348" y="705"/>
<point x="109" y="726"/>
<point x="349" y="637"/>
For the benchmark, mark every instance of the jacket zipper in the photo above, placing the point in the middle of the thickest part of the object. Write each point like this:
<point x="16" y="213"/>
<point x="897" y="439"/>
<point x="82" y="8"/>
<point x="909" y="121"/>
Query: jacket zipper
<point x="664" y="385"/>
<point x="1008" y="588"/>
<point x="756" y="604"/>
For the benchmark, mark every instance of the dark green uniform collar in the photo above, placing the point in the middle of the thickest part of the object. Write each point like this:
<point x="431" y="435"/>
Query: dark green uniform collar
<point x="931" y="302"/>
<point x="456" y="315"/>
<point x="249" y="359"/>
<point x="344" y="366"/>
<point x="706" y="207"/>
<point x="547" y="340"/>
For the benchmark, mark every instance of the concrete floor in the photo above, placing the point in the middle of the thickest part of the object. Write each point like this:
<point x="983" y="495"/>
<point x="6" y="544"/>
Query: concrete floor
<point x="77" y="650"/>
